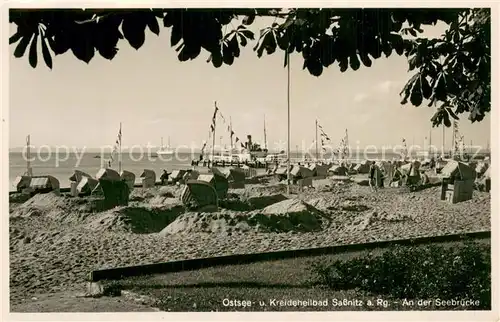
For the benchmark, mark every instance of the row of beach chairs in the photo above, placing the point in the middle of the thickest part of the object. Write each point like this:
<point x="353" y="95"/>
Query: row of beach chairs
<point x="116" y="187"/>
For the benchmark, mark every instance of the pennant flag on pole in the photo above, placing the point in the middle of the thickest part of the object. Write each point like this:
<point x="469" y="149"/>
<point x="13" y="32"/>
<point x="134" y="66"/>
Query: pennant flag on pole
<point x="214" y="117"/>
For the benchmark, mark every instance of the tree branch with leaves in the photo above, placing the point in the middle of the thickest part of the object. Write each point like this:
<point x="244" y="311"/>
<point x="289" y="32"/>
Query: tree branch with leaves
<point x="452" y="72"/>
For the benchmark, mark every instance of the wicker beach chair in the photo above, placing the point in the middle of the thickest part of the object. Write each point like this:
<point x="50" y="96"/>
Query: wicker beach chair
<point x="410" y="173"/>
<point x="338" y="170"/>
<point x="319" y="170"/>
<point x="78" y="175"/>
<point x="249" y="172"/>
<point x="176" y="176"/>
<point x="129" y="178"/>
<point x="236" y="178"/>
<point x="237" y="175"/>
<point x="198" y="194"/>
<point x="272" y="170"/>
<point x="44" y="184"/>
<point x="486" y="180"/>
<point x="280" y="171"/>
<point x="300" y="172"/>
<point x="457" y="182"/>
<point x="108" y="174"/>
<point x="481" y="168"/>
<point x="362" y="168"/>
<point x="218" y="181"/>
<point x="148" y="178"/>
<point x="116" y="193"/>
<point x="86" y="186"/>
<point x="22" y="183"/>
<point x="458" y="171"/>
<point x="190" y="175"/>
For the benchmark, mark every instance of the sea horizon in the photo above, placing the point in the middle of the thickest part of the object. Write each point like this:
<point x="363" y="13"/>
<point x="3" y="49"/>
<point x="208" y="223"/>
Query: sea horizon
<point x="62" y="167"/>
<point x="61" y="149"/>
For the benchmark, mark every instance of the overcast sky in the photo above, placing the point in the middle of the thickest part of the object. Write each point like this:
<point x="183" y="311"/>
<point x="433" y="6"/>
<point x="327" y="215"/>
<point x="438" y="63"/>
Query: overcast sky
<point x="155" y="95"/>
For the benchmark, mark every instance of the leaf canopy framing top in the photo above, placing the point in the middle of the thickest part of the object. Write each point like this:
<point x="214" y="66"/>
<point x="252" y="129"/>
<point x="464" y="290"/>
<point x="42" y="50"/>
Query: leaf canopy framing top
<point x="451" y="72"/>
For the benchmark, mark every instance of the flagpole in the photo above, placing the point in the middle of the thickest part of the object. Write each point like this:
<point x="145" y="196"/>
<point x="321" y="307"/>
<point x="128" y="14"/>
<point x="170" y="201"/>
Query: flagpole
<point x="265" y="135"/>
<point x="213" y="135"/>
<point x="430" y="137"/>
<point x="28" y="154"/>
<point x="288" y="124"/>
<point x="231" y="132"/>
<point x="205" y="152"/>
<point x="120" y="151"/>
<point x="317" y="155"/>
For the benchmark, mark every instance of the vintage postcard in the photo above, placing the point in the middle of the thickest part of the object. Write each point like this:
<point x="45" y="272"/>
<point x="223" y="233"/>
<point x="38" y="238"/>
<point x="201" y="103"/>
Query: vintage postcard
<point x="215" y="159"/>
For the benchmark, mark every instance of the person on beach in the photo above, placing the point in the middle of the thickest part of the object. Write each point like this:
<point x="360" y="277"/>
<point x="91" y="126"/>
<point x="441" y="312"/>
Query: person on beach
<point x="390" y="172"/>
<point x="374" y="174"/>
<point x="424" y="178"/>
<point x="164" y="177"/>
<point x="432" y="165"/>
<point x="382" y="176"/>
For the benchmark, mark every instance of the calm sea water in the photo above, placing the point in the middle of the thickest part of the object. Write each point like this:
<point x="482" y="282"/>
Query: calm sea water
<point x="62" y="168"/>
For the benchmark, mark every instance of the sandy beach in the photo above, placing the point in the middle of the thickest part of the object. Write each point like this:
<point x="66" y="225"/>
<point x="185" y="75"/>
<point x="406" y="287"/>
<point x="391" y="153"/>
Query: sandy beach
<point x="55" y="241"/>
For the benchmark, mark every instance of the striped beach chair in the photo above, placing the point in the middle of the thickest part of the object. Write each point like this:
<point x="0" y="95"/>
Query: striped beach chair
<point x="108" y="174"/>
<point x="43" y="184"/>
<point x="129" y="178"/>
<point x="218" y="181"/>
<point x="176" y="176"/>
<point x="197" y="194"/>
<point x="249" y="172"/>
<point x="86" y="186"/>
<point x="21" y="183"/>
